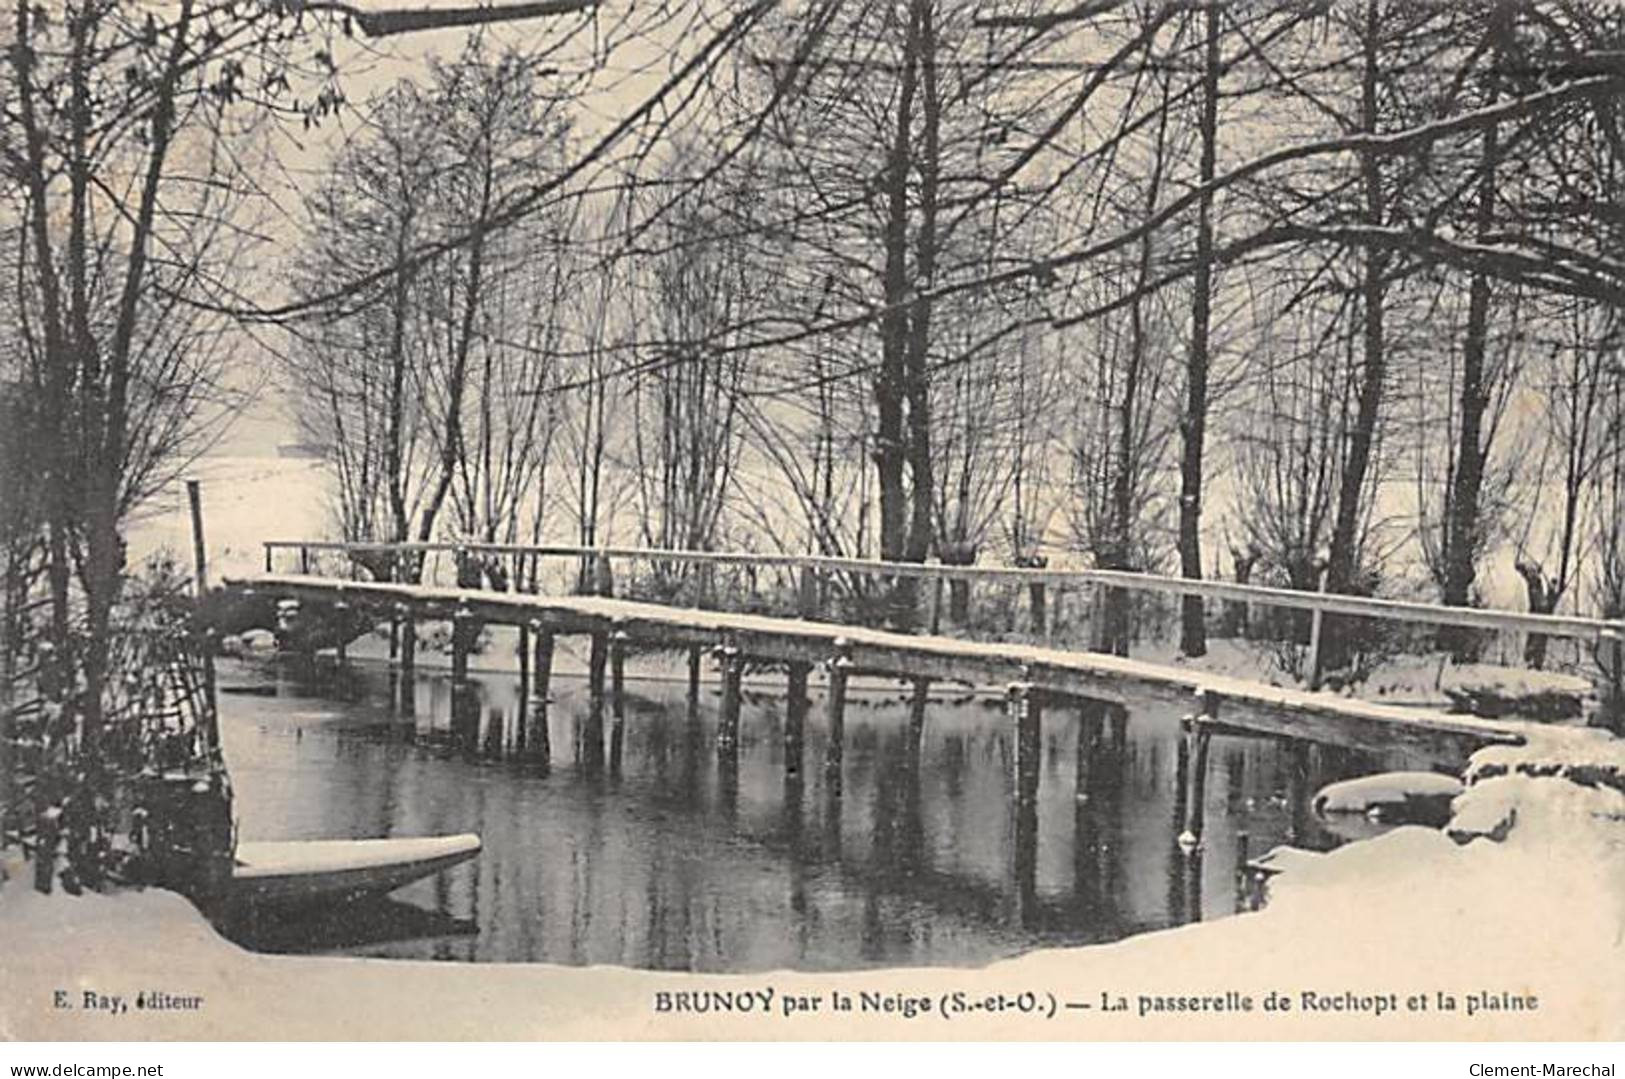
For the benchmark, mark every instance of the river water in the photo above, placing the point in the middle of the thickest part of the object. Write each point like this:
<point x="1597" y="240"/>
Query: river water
<point x="674" y="864"/>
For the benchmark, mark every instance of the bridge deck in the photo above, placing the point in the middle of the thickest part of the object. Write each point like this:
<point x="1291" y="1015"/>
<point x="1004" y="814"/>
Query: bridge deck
<point x="1245" y="705"/>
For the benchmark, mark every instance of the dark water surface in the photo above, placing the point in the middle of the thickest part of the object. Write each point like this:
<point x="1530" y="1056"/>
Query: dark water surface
<point x="674" y="865"/>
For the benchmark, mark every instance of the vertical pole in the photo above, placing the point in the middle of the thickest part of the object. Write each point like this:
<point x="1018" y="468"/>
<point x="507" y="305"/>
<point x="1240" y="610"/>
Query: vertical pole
<point x="304" y="560"/>
<point x="521" y="728"/>
<point x="617" y="698"/>
<point x="1037" y="607"/>
<point x="1617" y="676"/>
<point x="1243" y="876"/>
<point x="916" y="718"/>
<point x="840" y="668"/>
<point x="592" y="737"/>
<point x="795" y="717"/>
<point x="1297" y="789"/>
<point x="267" y="558"/>
<point x="807" y="594"/>
<point x="200" y="569"/>
<point x="1089" y="724"/>
<point x="694" y="659"/>
<point x="1198" y="732"/>
<point x="341" y="613"/>
<point x="541" y="742"/>
<point x="1191" y="886"/>
<point x="1317" y="621"/>
<point x="1097" y="618"/>
<point x="1611" y="646"/>
<point x="459" y="678"/>
<point x="408" y="658"/>
<point x="200" y="564"/>
<point x="936" y="605"/>
<point x="1026" y="711"/>
<point x="959" y="601"/>
<point x="1026" y="861"/>
<point x="707" y="584"/>
<point x="728" y="727"/>
<point x="1119" y="714"/>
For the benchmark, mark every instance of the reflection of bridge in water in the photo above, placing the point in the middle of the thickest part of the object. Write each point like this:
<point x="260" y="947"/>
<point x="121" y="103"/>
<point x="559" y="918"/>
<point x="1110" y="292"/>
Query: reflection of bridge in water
<point x="923" y="858"/>
<point x="1038" y="674"/>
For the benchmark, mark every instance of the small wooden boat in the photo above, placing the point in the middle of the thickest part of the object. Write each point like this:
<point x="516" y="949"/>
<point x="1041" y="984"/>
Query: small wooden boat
<point x="297" y="871"/>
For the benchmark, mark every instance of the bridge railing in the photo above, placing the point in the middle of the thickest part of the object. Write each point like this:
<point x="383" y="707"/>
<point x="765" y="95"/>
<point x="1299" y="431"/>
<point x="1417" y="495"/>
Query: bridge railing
<point x="1550" y="625"/>
<point x="1091" y="608"/>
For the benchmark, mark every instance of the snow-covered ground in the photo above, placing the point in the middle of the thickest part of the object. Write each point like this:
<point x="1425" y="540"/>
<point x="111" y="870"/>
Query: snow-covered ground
<point x="1427" y="681"/>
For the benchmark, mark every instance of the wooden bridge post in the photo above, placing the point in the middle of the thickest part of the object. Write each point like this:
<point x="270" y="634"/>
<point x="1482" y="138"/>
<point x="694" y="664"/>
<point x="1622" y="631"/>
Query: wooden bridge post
<point x="1038" y="607"/>
<point x="795" y="716"/>
<point x="1611" y="646"/>
<point x="728" y="726"/>
<point x="840" y="669"/>
<point x="1097" y="618"/>
<point x="617" y="697"/>
<point x="1240" y="875"/>
<point x="540" y="743"/>
<point x="1197" y="732"/>
<point x="407" y="657"/>
<point x="1190" y="886"/>
<point x="807" y="607"/>
<point x="1025" y="707"/>
<point x="341" y="609"/>
<point x="1297" y="789"/>
<point x="695" y="658"/>
<point x="1090" y="722"/>
<point x="592" y="735"/>
<point x="460" y="689"/>
<point x="521" y="730"/>
<point x="918" y="699"/>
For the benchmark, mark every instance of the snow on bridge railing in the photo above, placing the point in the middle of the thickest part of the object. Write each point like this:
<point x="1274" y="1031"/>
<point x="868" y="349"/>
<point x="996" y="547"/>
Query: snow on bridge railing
<point x="1550" y="625"/>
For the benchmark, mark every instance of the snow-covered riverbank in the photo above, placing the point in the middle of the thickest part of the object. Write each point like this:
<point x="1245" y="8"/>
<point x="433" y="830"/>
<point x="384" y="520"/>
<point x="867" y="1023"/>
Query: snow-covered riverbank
<point x="1525" y="936"/>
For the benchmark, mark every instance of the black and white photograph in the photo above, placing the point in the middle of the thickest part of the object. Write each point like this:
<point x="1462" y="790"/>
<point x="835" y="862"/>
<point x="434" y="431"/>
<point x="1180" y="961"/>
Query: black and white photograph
<point x="812" y="520"/>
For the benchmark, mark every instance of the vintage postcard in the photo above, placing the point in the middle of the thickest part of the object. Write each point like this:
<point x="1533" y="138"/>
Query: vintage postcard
<point x="828" y="520"/>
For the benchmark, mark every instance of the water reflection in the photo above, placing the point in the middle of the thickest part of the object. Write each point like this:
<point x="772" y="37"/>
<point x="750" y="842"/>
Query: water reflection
<point x="684" y="859"/>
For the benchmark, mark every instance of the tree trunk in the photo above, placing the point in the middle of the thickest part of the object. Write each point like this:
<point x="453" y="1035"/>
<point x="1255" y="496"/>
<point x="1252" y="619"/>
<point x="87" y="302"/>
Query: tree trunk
<point x="1342" y="557"/>
<point x="892" y="387"/>
<point x="1193" y="631"/>
<point x="1462" y="524"/>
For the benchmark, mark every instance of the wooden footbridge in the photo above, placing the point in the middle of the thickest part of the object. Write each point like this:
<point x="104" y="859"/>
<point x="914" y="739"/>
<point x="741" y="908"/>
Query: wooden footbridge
<point x="1035" y="673"/>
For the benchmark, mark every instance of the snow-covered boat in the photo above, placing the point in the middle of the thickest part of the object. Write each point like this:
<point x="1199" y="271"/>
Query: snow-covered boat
<point x="296" y="871"/>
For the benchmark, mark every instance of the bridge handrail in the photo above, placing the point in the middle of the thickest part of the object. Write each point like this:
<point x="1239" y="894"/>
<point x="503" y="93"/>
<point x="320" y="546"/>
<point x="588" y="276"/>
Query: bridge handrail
<point x="1551" y="625"/>
<point x="1564" y="626"/>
